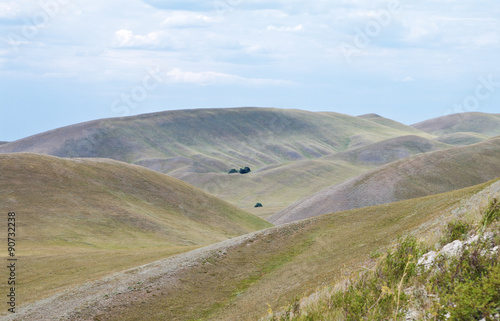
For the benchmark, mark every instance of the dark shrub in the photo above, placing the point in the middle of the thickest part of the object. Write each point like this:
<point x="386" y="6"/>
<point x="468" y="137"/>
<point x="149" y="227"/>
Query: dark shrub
<point x="233" y="171"/>
<point x="259" y="205"/>
<point x="245" y="170"/>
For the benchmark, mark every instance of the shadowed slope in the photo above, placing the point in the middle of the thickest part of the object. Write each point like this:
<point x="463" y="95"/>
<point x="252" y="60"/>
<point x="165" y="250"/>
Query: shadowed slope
<point x="481" y="123"/>
<point x="83" y="218"/>
<point x="389" y="150"/>
<point x="417" y="176"/>
<point x="461" y="139"/>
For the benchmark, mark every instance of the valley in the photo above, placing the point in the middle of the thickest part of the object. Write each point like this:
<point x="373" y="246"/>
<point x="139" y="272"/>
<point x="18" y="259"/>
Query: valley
<point x="137" y="218"/>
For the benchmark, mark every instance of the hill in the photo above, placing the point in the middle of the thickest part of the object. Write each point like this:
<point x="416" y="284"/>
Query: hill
<point x="200" y="147"/>
<point x="209" y="140"/>
<point x="3" y="143"/>
<point x="417" y="176"/>
<point x="80" y="219"/>
<point x="391" y="123"/>
<point x="481" y="123"/>
<point x="389" y="150"/>
<point x="241" y="279"/>
<point x="281" y="185"/>
<point x="461" y="139"/>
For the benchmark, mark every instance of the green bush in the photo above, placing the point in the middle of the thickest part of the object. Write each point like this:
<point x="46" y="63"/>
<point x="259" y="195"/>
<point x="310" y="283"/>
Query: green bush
<point x="455" y="230"/>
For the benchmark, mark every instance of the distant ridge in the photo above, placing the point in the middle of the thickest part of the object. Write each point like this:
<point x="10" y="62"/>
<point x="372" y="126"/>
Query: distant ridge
<point x="462" y="138"/>
<point x="211" y="140"/>
<point x="389" y="150"/>
<point x="481" y="123"/>
<point x="2" y="143"/>
<point x="368" y="116"/>
<point x="417" y="176"/>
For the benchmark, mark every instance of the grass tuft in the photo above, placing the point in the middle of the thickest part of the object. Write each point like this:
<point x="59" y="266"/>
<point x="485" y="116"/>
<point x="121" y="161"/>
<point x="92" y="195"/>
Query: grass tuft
<point x="492" y="213"/>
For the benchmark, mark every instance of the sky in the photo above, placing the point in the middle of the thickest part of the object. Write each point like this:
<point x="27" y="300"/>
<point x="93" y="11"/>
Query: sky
<point x="68" y="61"/>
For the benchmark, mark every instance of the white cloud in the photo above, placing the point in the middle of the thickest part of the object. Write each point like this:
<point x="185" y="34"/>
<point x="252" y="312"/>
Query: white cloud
<point x="187" y="20"/>
<point x="286" y="29"/>
<point x="407" y="79"/>
<point x="177" y="75"/>
<point x="153" y="40"/>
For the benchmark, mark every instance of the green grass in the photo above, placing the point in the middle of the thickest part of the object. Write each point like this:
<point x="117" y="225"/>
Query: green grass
<point x="78" y="220"/>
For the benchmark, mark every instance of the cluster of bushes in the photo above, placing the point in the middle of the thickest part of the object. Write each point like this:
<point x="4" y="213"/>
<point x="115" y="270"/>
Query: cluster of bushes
<point x="463" y="287"/>
<point x="245" y="170"/>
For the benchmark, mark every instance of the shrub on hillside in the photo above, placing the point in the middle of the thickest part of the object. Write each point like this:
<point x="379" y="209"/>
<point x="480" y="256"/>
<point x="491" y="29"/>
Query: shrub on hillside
<point x="233" y="171"/>
<point x="455" y="230"/>
<point x="245" y="170"/>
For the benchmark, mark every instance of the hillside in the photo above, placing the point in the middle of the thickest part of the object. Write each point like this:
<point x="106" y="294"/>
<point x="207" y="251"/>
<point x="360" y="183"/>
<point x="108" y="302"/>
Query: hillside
<point x="461" y="138"/>
<point x="81" y="219"/>
<point x="281" y="185"/>
<point x="210" y="140"/>
<point x="389" y="150"/>
<point x="417" y="176"/>
<point x="391" y="123"/>
<point x="481" y="123"/>
<point x="241" y="279"/>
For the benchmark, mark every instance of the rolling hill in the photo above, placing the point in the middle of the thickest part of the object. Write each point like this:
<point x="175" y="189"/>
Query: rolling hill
<point x="200" y="146"/>
<point x="211" y="140"/>
<point x="416" y="176"/>
<point x="242" y="278"/>
<point x="79" y="219"/>
<point x="281" y="185"/>
<point x="480" y="123"/>
<point x="462" y="138"/>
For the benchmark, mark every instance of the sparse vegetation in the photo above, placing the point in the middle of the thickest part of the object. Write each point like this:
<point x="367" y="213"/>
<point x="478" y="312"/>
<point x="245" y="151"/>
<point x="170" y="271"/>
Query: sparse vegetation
<point x="492" y="213"/>
<point x="464" y="286"/>
<point x="455" y="230"/>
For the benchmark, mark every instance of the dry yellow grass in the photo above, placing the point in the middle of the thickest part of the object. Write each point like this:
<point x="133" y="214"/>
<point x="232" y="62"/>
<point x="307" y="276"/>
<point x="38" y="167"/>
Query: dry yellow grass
<point x="285" y="262"/>
<point x="81" y="219"/>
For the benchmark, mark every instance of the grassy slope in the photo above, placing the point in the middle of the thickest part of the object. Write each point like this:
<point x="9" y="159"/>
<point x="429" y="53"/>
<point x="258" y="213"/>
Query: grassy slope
<point x="417" y="176"/>
<point x="199" y="146"/>
<point x="81" y="219"/>
<point x="209" y="140"/>
<point x="280" y="186"/>
<point x="390" y="123"/>
<point x="481" y="123"/>
<point x="461" y="138"/>
<point x="285" y="262"/>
